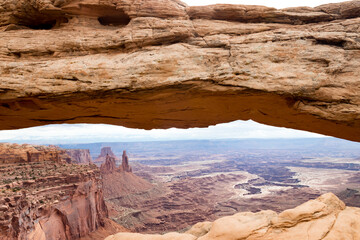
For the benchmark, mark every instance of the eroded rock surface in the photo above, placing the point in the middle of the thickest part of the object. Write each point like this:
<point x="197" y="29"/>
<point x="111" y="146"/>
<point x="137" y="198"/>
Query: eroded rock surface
<point x="79" y="156"/>
<point x="108" y="166"/>
<point x="120" y="181"/>
<point x="125" y="163"/>
<point x="161" y="64"/>
<point x="49" y="198"/>
<point x="105" y="153"/>
<point x="323" y="218"/>
<point x="26" y="153"/>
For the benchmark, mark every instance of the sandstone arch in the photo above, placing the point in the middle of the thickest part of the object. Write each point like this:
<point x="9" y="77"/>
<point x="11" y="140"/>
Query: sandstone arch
<point x="179" y="66"/>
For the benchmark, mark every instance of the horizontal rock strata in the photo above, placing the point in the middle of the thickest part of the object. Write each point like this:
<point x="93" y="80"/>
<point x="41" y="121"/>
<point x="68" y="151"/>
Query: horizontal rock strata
<point x="79" y="156"/>
<point x="161" y="64"/>
<point x="48" y="198"/>
<point x="26" y="153"/>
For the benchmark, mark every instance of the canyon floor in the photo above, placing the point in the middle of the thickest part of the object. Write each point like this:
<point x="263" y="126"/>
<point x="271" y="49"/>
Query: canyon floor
<point x="195" y="181"/>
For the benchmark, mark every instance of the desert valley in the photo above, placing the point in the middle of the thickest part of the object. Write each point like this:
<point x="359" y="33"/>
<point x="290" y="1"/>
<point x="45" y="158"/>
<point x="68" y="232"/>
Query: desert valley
<point x="159" y="187"/>
<point x="194" y="181"/>
<point x="129" y="67"/>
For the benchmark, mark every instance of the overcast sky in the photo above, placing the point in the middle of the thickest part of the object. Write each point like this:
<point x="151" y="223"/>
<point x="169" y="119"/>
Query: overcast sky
<point x="269" y="3"/>
<point x="87" y="133"/>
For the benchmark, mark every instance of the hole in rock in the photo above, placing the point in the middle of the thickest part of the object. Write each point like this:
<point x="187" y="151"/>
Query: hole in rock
<point x="44" y="25"/>
<point x="47" y="24"/>
<point x="331" y="42"/>
<point x="120" y="20"/>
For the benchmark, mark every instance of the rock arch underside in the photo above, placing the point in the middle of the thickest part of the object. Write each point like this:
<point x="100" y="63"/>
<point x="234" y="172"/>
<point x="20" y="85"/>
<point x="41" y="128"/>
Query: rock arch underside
<point x="160" y="64"/>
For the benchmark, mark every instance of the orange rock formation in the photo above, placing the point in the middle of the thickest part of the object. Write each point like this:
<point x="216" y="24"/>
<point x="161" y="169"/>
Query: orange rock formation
<point x="161" y="64"/>
<point x="105" y="152"/>
<point x="48" y="198"/>
<point x="323" y="218"/>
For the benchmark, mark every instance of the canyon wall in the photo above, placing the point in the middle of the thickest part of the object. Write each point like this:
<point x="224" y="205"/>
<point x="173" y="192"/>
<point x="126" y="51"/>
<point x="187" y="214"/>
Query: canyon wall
<point x="162" y="64"/>
<point x="120" y="181"/>
<point x="79" y="156"/>
<point x="26" y="153"/>
<point x="48" y="198"/>
<point x="104" y="154"/>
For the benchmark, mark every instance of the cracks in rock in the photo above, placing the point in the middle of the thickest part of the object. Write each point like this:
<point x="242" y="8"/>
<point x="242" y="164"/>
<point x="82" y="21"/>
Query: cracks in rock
<point x="75" y="79"/>
<point x="331" y="42"/>
<point x="229" y="61"/>
<point x="331" y="227"/>
<point x="74" y="118"/>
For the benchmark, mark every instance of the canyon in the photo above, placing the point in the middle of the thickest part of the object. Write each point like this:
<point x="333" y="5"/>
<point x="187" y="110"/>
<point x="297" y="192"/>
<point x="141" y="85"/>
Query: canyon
<point x="48" y="197"/>
<point x="323" y="218"/>
<point x="204" y="180"/>
<point x="162" y="64"/>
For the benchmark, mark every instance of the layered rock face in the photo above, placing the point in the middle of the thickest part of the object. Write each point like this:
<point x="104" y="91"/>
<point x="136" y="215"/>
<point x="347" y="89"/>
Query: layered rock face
<point x="79" y="156"/>
<point x="26" y="153"/>
<point x="323" y="218"/>
<point x="160" y="64"/>
<point x="108" y="166"/>
<point x="48" y="198"/>
<point x="120" y="181"/>
<point x="104" y="154"/>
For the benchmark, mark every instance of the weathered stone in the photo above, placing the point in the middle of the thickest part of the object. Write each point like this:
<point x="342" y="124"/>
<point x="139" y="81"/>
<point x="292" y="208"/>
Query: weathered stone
<point x="25" y="153"/>
<point x="79" y="156"/>
<point x="3" y="208"/>
<point x="108" y="166"/>
<point x="125" y="163"/>
<point x="105" y="153"/>
<point x="323" y="218"/>
<point x="161" y="64"/>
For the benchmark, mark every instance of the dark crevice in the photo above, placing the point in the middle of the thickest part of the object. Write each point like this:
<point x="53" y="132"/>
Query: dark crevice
<point x="46" y="24"/>
<point x="331" y="42"/>
<point x="118" y="20"/>
<point x="16" y="54"/>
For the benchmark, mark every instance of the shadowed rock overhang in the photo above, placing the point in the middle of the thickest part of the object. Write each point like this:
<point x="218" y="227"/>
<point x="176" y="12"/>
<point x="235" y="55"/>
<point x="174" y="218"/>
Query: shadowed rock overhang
<point x="160" y="64"/>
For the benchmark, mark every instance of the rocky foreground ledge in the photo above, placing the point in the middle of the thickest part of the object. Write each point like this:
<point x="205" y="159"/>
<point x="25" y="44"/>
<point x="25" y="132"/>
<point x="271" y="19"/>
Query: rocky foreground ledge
<point x="161" y="64"/>
<point x="325" y="218"/>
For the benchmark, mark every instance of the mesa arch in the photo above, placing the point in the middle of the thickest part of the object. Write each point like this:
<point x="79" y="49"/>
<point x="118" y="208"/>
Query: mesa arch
<point x="160" y="64"/>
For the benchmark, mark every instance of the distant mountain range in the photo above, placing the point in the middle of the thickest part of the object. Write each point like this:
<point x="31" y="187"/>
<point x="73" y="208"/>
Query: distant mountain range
<point x="326" y="145"/>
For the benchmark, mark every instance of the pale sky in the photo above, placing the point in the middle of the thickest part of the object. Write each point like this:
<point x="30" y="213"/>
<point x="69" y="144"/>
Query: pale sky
<point x="87" y="133"/>
<point x="268" y="3"/>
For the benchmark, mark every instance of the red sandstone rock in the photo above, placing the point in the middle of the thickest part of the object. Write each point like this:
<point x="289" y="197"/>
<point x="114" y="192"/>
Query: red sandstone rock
<point x="128" y="62"/>
<point x="125" y="163"/>
<point x="108" y="166"/>
<point x="46" y="198"/>
<point x="25" y="153"/>
<point x="105" y="151"/>
<point x="80" y="156"/>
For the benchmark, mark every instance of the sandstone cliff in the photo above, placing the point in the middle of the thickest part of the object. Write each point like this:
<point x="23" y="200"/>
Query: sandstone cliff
<point x="108" y="166"/>
<point x="125" y="163"/>
<point x="104" y="154"/>
<point x="48" y="198"/>
<point x="26" y="153"/>
<point x="79" y="156"/>
<point x="120" y="181"/>
<point x="160" y="64"/>
<point x="323" y="218"/>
